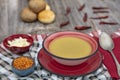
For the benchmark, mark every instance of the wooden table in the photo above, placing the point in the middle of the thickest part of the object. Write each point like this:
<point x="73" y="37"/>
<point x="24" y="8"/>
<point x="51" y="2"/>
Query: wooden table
<point x="11" y="23"/>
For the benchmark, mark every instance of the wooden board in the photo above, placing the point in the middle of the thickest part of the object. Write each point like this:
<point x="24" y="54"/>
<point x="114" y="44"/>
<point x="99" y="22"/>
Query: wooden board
<point x="11" y="23"/>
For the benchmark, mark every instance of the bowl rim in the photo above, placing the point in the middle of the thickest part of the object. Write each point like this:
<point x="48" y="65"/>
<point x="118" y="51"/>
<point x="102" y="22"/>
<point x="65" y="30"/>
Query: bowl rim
<point x="69" y="58"/>
<point x="5" y="41"/>
<point x="26" y="68"/>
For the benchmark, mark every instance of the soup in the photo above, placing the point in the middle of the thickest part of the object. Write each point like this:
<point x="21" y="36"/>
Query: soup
<point x="70" y="47"/>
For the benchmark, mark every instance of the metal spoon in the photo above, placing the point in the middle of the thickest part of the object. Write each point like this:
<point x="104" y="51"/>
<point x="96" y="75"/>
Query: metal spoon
<point x="106" y="43"/>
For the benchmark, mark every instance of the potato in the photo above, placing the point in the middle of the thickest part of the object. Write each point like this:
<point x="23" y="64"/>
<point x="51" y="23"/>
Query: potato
<point x="37" y="5"/>
<point x="27" y="15"/>
<point x="46" y="16"/>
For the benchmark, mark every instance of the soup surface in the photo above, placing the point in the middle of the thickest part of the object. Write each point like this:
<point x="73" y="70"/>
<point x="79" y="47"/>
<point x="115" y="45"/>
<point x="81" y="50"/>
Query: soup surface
<point x="70" y="47"/>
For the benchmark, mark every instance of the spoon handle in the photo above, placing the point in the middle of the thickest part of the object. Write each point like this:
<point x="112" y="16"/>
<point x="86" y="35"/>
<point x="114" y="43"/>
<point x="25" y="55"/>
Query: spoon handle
<point x="116" y="62"/>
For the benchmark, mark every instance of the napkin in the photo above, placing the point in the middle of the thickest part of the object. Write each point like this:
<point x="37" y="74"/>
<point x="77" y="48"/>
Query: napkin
<point x="6" y="73"/>
<point x="108" y="59"/>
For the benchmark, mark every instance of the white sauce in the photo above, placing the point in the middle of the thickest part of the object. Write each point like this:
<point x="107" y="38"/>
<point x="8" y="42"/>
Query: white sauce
<point x="19" y="42"/>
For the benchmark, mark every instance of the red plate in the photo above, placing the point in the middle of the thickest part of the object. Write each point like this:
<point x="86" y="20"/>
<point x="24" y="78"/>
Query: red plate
<point x="52" y="66"/>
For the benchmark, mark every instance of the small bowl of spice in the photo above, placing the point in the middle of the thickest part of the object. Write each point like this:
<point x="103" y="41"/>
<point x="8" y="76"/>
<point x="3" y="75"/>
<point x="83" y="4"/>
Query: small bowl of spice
<point x="23" y="66"/>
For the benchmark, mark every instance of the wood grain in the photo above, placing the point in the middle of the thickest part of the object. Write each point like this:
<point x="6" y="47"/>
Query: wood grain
<point x="10" y="22"/>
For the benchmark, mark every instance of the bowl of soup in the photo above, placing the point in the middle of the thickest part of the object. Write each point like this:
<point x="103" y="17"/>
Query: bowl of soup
<point x="70" y="48"/>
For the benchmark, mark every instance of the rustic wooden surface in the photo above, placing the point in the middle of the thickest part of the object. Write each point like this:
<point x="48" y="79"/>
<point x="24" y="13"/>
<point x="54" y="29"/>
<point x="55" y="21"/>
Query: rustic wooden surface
<point x="10" y="22"/>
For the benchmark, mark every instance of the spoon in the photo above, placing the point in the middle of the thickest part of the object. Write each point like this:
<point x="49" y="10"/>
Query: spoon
<point x="106" y="43"/>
